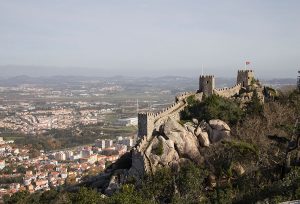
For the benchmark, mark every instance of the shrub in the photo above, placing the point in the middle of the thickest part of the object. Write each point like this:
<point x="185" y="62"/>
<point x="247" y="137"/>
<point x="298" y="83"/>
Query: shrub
<point x="213" y="107"/>
<point x="159" y="149"/>
<point x="254" y="106"/>
<point x="241" y="147"/>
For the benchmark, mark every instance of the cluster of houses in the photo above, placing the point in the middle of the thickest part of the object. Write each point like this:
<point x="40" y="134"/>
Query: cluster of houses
<point x="39" y="121"/>
<point x="53" y="169"/>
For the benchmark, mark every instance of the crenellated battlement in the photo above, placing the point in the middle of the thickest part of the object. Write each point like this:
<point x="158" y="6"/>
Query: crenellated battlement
<point x="228" y="92"/>
<point x="207" y="76"/>
<point x="146" y="114"/>
<point x="245" y="71"/>
<point x="229" y="88"/>
<point x="183" y="95"/>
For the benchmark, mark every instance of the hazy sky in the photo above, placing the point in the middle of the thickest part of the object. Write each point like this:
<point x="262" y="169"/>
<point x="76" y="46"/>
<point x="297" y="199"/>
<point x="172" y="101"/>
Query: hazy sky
<point x="150" y="37"/>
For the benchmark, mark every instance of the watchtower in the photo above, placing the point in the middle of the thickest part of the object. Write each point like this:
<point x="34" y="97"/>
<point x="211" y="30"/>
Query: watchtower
<point x="207" y="84"/>
<point x="245" y="77"/>
<point x="145" y="124"/>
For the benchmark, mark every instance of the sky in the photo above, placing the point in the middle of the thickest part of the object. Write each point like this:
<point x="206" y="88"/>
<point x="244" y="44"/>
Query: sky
<point x="149" y="37"/>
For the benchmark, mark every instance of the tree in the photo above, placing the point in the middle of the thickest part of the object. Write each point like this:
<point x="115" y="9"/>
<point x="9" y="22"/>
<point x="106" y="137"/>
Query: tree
<point x="160" y="186"/>
<point x="87" y="196"/>
<point x="21" y="169"/>
<point x="254" y="106"/>
<point x="17" y="198"/>
<point x="190" y="182"/>
<point x="127" y="195"/>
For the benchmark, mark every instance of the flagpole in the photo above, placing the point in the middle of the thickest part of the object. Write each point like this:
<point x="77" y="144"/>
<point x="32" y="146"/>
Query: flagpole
<point x="202" y="69"/>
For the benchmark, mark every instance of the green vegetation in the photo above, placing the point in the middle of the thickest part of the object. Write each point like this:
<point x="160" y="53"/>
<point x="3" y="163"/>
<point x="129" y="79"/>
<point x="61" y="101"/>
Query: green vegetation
<point x="154" y="189"/>
<point x="254" y="106"/>
<point x="241" y="147"/>
<point x="213" y="107"/>
<point x="65" y="138"/>
<point x="159" y="149"/>
<point x="8" y="180"/>
<point x="190" y="183"/>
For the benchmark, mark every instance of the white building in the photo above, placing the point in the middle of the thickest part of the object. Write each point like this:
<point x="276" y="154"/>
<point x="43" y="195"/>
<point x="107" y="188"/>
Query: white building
<point x="75" y="157"/>
<point x="2" y="164"/>
<point x="108" y="143"/>
<point x="2" y="141"/>
<point x="100" y="143"/>
<point x="127" y="142"/>
<point x="86" y="152"/>
<point x="69" y="154"/>
<point x="60" y="156"/>
<point x="127" y="121"/>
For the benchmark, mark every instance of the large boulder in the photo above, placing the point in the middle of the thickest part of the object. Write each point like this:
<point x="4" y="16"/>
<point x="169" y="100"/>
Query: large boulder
<point x="189" y="127"/>
<point x="161" y="152"/>
<point x="238" y="169"/>
<point x="218" y="125"/>
<point x="202" y="136"/>
<point x="185" y="142"/>
<point x="195" y="121"/>
<point x="218" y="130"/>
<point x="217" y="135"/>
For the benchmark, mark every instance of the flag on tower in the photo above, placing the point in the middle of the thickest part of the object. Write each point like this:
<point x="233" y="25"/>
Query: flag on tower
<point x="247" y="62"/>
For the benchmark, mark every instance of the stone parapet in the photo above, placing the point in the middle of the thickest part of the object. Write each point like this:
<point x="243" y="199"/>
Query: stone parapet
<point x="228" y="92"/>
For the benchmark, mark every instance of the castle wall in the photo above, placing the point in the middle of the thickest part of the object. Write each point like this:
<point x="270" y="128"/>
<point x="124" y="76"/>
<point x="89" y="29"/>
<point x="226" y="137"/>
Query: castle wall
<point x="228" y="92"/>
<point x="183" y="96"/>
<point x="148" y="122"/>
<point x="173" y="112"/>
<point x="140" y="164"/>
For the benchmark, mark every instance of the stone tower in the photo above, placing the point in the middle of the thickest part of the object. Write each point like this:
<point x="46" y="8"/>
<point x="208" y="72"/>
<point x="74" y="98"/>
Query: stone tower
<point x="207" y="84"/>
<point x="245" y="77"/>
<point x="145" y="124"/>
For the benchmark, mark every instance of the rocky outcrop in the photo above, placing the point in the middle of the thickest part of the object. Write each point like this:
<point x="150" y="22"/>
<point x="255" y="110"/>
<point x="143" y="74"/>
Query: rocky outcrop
<point x="172" y="146"/>
<point x="186" y="143"/>
<point x="219" y="125"/>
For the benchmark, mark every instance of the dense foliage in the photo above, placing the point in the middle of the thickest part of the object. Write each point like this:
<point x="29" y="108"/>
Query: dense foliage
<point x="213" y="107"/>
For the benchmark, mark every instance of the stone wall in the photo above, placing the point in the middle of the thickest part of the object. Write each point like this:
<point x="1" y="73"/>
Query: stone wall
<point x="173" y="112"/>
<point x="140" y="162"/>
<point x="183" y="96"/>
<point x="228" y="92"/>
<point x="148" y="122"/>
